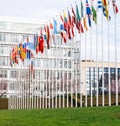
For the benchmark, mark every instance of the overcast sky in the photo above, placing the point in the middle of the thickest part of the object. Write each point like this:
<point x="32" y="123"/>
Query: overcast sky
<point x="42" y="10"/>
<point x="36" y="9"/>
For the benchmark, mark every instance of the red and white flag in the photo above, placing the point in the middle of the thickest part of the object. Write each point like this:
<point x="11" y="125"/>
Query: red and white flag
<point x="115" y="8"/>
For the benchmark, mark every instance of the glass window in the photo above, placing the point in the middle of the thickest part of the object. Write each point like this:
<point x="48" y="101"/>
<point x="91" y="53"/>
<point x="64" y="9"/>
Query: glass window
<point x="14" y="74"/>
<point x="112" y="70"/>
<point x="3" y="73"/>
<point x="2" y="36"/>
<point x="106" y="70"/>
<point x="3" y="61"/>
<point x="65" y="64"/>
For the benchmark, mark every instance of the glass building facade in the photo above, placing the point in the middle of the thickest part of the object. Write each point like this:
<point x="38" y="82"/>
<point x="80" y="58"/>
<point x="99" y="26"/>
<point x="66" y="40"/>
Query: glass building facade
<point x="103" y="79"/>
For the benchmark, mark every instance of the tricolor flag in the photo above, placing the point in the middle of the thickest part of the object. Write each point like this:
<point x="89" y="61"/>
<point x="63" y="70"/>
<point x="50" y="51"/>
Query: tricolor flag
<point x="115" y="8"/>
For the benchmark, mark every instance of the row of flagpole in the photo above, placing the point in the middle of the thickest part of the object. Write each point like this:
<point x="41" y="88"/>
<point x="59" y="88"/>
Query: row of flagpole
<point x="76" y="72"/>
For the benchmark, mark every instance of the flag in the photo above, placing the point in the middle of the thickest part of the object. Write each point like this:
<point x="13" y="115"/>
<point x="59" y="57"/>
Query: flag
<point x="35" y="41"/>
<point x="55" y="27"/>
<point x="78" y="21"/>
<point x="30" y="45"/>
<point x="22" y="51"/>
<point x="94" y="14"/>
<point x="100" y="4"/>
<point x="64" y="35"/>
<point x="37" y="44"/>
<point x="115" y="8"/>
<point x="47" y="36"/>
<point x="88" y="12"/>
<point x="69" y="19"/>
<point x="41" y="44"/>
<point x="61" y="18"/>
<point x="28" y="54"/>
<point x="19" y="49"/>
<point x="105" y="5"/>
<point x="31" y="66"/>
<point x="51" y="26"/>
<point x="69" y="25"/>
<point x="74" y="16"/>
<point x="82" y="15"/>
<point x="65" y="21"/>
<point x="104" y="13"/>
<point x="85" y="24"/>
<point x="77" y="14"/>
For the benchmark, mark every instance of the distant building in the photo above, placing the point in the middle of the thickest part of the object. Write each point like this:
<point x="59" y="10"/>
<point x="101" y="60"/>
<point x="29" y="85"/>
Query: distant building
<point x="98" y="73"/>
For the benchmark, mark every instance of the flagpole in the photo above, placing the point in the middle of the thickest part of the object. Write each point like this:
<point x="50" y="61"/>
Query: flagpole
<point x="109" y="85"/>
<point x="102" y="65"/>
<point x="52" y="81"/>
<point x="39" y="81"/>
<point x="76" y="73"/>
<point x="63" y="80"/>
<point x="46" y="91"/>
<point x="91" y="64"/>
<point x="97" y="61"/>
<point x="116" y="65"/>
<point x="86" y="83"/>
<point x="67" y="72"/>
<point x="72" y="66"/>
<point x="80" y="69"/>
<point x="56" y="75"/>
<point x="59" y="74"/>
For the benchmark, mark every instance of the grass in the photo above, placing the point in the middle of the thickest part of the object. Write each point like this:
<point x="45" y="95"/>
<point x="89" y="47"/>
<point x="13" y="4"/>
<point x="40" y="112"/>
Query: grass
<point x="91" y="116"/>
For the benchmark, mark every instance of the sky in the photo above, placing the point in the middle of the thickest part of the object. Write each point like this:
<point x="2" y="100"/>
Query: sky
<point x="42" y="10"/>
<point x="45" y="10"/>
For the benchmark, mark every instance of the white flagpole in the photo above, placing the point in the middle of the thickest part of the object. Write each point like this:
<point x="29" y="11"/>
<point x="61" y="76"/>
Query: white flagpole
<point x="80" y="68"/>
<point x="72" y="66"/>
<point x="109" y="76"/>
<point x="67" y="71"/>
<point x="47" y="61"/>
<point x="91" y="82"/>
<point x="56" y="75"/>
<point x="86" y="83"/>
<point x="52" y="77"/>
<point x="63" y="78"/>
<point x="116" y="74"/>
<point x="97" y="60"/>
<point x="39" y="82"/>
<point x="102" y="65"/>
<point x="49" y="76"/>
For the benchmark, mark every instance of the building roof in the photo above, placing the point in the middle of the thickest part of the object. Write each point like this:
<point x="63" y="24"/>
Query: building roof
<point x="11" y="24"/>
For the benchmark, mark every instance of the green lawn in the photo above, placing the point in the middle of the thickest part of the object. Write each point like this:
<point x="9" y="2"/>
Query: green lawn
<point x="95" y="116"/>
